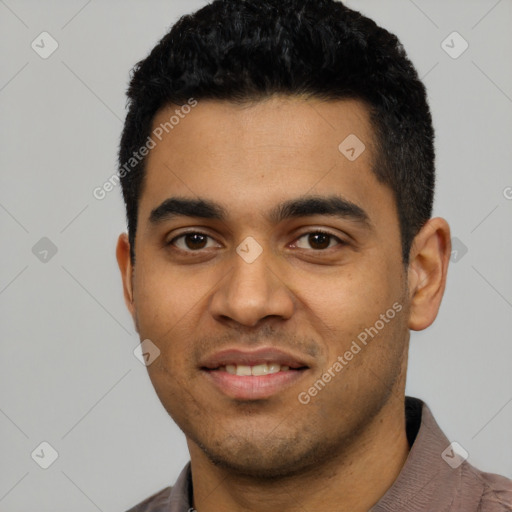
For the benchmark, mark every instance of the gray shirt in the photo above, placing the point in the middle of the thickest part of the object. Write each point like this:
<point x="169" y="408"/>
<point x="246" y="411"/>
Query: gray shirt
<point x="434" y="477"/>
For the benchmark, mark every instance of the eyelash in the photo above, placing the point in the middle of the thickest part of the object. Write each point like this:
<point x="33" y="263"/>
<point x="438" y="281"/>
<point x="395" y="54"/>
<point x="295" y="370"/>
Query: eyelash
<point x="313" y="232"/>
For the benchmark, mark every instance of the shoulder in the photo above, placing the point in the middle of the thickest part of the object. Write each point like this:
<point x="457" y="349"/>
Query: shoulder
<point x="155" y="503"/>
<point x="495" y="491"/>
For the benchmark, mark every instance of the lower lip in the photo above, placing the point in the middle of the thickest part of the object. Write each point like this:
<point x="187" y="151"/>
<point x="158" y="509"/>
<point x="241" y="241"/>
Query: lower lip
<point x="253" y="387"/>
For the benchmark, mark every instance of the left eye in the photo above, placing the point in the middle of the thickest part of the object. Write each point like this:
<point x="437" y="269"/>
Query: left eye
<point x="318" y="240"/>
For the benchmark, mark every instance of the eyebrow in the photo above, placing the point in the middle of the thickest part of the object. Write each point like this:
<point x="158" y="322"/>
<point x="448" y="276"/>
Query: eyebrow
<point x="304" y="206"/>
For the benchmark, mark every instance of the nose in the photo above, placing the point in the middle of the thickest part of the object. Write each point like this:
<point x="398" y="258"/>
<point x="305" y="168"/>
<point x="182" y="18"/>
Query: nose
<point x="252" y="291"/>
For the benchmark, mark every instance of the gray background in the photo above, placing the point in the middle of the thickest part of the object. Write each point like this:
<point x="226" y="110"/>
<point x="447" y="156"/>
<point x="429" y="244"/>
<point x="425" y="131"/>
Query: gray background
<point x="68" y="375"/>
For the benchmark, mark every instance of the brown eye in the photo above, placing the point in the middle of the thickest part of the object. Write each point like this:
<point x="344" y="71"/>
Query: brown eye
<point x="318" y="240"/>
<point x="195" y="241"/>
<point x="191" y="242"/>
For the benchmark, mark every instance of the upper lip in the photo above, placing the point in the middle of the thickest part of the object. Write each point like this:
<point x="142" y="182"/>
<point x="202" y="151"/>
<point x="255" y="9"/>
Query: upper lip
<point x="237" y="356"/>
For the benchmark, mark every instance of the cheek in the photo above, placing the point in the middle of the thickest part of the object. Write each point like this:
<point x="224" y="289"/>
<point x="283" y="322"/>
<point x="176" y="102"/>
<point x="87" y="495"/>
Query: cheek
<point x="349" y="307"/>
<point x="349" y="298"/>
<point x="164" y="301"/>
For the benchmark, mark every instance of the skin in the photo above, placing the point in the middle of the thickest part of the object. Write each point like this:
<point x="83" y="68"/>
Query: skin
<point x="344" y="449"/>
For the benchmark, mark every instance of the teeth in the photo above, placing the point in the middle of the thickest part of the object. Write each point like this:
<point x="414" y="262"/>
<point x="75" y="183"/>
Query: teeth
<point x="260" y="369"/>
<point x="257" y="370"/>
<point x="243" y="370"/>
<point x="274" y="368"/>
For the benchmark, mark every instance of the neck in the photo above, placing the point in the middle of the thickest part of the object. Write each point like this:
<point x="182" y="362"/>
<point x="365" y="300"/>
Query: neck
<point x="354" y="480"/>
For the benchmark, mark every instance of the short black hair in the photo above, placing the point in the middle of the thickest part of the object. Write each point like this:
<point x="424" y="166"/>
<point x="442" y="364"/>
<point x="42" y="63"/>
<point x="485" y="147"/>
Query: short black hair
<point x="248" y="50"/>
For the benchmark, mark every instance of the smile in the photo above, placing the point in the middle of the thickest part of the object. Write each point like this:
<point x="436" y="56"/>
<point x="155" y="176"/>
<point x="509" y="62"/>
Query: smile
<point x="253" y="374"/>
<point x="256" y="370"/>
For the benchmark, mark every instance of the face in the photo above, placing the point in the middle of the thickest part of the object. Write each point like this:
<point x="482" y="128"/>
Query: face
<point x="255" y="293"/>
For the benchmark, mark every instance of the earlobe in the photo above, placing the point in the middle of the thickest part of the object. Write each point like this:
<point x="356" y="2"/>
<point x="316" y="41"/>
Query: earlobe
<point x="126" y="269"/>
<point x="428" y="266"/>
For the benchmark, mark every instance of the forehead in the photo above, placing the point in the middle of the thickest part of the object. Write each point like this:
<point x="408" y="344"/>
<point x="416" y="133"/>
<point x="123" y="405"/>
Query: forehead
<point x="253" y="156"/>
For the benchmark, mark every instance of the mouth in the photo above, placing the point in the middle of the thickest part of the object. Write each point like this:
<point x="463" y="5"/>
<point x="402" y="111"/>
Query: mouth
<point x="253" y="375"/>
<point x="257" y="370"/>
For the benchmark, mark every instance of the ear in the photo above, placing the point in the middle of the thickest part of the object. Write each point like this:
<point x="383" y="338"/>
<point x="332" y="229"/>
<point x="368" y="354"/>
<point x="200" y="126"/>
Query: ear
<point x="428" y="267"/>
<point x="126" y="268"/>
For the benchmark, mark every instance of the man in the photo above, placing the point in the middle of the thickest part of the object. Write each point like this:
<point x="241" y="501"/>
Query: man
<point x="277" y="166"/>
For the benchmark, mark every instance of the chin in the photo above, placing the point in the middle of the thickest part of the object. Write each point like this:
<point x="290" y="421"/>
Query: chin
<point x="267" y="460"/>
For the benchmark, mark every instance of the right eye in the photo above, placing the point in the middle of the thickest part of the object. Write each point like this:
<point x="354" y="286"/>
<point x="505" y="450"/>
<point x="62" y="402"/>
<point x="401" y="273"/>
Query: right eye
<point x="191" y="242"/>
